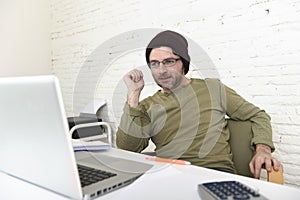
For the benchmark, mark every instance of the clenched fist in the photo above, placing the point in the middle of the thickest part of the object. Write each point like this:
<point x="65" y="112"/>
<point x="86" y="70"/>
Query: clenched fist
<point x="135" y="83"/>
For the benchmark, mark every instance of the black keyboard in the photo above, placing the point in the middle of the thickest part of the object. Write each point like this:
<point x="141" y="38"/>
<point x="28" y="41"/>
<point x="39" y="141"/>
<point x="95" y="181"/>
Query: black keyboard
<point x="227" y="190"/>
<point x="90" y="175"/>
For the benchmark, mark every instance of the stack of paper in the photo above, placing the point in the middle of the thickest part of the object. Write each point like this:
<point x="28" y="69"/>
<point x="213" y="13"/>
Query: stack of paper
<point x="80" y="145"/>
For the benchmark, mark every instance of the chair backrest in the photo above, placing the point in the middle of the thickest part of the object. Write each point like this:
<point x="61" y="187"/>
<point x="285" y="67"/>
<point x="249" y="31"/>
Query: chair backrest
<point x="240" y="143"/>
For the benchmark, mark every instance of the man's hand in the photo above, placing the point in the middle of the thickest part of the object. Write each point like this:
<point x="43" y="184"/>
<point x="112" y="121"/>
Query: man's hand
<point x="135" y="83"/>
<point x="263" y="157"/>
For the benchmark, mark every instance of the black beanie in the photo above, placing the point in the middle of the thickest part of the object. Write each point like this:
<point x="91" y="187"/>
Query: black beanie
<point x="175" y="41"/>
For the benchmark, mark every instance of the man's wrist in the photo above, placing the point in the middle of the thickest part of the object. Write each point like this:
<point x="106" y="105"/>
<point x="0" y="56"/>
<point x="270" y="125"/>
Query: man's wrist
<point x="133" y="98"/>
<point x="263" y="147"/>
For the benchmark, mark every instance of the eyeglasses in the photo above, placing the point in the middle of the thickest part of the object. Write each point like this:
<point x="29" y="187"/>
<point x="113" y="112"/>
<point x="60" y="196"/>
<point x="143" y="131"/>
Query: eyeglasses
<point x="168" y="62"/>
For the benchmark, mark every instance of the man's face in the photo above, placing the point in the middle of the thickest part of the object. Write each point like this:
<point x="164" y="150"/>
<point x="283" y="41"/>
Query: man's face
<point x="167" y="77"/>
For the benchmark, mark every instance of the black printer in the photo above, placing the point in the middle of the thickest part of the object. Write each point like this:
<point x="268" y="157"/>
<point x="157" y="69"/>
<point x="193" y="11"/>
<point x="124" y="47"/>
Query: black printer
<point x="85" y="131"/>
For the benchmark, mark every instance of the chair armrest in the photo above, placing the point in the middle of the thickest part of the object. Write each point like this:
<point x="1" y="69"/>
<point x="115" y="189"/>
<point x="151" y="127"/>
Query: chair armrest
<point x="276" y="176"/>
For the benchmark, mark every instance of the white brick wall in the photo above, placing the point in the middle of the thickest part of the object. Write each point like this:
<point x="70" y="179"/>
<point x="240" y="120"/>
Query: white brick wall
<point x="254" y="45"/>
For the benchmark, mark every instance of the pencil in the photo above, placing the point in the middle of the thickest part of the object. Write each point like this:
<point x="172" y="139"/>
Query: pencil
<point x="166" y="160"/>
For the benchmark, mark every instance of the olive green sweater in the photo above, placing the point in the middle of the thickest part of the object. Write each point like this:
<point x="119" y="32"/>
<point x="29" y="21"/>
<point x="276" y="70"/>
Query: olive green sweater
<point x="190" y="124"/>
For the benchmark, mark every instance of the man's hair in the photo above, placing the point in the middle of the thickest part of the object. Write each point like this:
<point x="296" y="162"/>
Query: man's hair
<point x="175" y="41"/>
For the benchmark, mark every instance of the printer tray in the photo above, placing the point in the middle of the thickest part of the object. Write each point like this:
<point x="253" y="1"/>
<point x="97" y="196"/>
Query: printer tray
<point x="86" y="131"/>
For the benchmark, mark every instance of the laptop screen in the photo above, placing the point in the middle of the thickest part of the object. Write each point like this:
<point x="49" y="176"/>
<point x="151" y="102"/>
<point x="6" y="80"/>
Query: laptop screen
<point x="35" y="141"/>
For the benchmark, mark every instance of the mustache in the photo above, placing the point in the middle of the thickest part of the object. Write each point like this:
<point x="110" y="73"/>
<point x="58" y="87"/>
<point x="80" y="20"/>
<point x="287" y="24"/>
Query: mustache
<point x="164" y="76"/>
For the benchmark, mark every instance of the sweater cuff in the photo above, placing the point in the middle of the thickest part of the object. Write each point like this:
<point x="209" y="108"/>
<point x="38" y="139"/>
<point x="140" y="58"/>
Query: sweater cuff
<point x="132" y="111"/>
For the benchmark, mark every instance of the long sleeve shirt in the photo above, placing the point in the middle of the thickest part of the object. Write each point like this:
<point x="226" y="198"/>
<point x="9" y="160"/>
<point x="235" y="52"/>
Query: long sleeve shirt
<point x="190" y="124"/>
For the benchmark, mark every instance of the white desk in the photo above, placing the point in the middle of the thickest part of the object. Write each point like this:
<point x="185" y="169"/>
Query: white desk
<point x="163" y="181"/>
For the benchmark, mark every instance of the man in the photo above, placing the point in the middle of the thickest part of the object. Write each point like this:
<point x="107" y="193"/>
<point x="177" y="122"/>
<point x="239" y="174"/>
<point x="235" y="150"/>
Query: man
<point x="186" y="119"/>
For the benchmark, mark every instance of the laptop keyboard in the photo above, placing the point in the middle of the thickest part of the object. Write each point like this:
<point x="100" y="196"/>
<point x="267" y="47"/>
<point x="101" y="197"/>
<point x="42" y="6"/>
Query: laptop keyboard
<point x="90" y="175"/>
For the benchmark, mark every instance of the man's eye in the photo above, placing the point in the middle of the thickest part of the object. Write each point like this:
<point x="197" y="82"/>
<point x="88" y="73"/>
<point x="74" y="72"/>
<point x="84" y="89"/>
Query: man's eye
<point x="169" y="61"/>
<point x="154" y="63"/>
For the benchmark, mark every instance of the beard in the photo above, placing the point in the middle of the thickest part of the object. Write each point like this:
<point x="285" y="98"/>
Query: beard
<point x="169" y="83"/>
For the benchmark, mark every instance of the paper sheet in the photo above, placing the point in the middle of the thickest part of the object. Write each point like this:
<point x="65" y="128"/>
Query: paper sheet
<point x="79" y="145"/>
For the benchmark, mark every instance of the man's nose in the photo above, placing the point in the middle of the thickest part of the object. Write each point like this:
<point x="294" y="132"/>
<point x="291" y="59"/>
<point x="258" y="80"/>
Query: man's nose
<point x="162" y="68"/>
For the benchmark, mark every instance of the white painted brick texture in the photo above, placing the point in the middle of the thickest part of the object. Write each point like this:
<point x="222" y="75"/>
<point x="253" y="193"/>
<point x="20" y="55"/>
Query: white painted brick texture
<point x="254" y="45"/>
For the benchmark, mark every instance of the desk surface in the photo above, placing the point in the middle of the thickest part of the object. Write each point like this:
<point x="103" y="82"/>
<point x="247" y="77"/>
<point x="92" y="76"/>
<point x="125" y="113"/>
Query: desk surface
<point x="163" y="181"/>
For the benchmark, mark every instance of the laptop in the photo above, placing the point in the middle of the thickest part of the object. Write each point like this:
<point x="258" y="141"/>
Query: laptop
<point x="36" y="145"/>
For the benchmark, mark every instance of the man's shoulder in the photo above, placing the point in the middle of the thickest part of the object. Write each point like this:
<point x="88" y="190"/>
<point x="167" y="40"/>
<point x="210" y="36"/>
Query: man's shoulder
<point x="151" y="98"/>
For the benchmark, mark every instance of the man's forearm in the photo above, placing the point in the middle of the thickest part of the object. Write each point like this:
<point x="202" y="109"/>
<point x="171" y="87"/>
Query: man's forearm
<point x="133" y="98"/>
